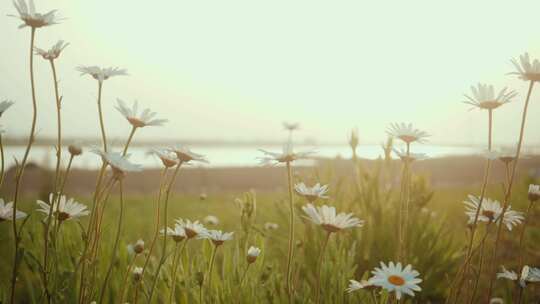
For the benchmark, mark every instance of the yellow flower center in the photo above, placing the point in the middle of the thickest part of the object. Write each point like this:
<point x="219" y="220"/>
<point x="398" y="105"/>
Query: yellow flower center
<point x="396" y="280"/>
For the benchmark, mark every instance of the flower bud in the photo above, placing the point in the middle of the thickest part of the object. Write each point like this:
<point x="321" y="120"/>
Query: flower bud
<point x="252" y="254"/>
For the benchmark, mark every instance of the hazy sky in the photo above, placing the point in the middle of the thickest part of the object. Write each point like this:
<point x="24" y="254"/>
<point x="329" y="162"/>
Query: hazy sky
<point x="236" y="69"/>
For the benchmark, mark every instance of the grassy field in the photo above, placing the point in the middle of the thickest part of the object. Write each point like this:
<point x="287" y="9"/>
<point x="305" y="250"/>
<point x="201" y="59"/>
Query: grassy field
<point x="436" y="244"/>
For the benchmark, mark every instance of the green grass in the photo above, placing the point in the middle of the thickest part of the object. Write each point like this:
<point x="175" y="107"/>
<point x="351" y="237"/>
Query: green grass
<point x="436" y="243"/>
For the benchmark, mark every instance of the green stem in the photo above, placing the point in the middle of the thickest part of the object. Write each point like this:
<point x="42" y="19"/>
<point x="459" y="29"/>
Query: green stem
<point x="130" y="137"/>
<point x="508" y="193"/>
<point x="101" y="120"/>
<point x="319" y="268"/>
<point x="211" y="267"/>
<point x="20" y="171"/>
<point x="244" y="274"/>
<point x="177" y="256"/>
<point x="2" y="168"/>
<point x="291" y="233"/>
<point x="115" y="246"/>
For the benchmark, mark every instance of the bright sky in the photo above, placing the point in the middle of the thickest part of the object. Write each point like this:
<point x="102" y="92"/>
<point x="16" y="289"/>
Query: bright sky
<point x="236" y="69"/>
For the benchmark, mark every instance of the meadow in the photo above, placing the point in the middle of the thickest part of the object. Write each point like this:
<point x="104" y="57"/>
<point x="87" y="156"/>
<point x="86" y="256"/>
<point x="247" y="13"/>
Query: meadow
<point x="379" y="234"/>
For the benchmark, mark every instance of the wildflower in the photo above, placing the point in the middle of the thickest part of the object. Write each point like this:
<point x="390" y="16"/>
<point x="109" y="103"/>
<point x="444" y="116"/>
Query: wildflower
<point x="192" y="229"/>
<point x="217" y="237"/>
<point x="291" y="126"/>
<point x="353" y="140"/>
<point x="185" y="155"/>
<point x="75" y="149"/>
<point x="407" y="133"/>
<point x="4" y="105"/>
<point x="136" y="248"/>
<point x="528" y="275"/>
<point x="397" y="279"/>
<point x="27" y="13"/>
<point x="483" y="97"/>
<point x="203" y="196"/>
<point x="313" y="193"/>
<point x="53" y="52"/>
<point x="409" y="157"/>
<point x="363" y="284"/>
<point x="534" y="192"/>
<point x="286" y="156"/>
<point x="491" y="211"/>
<point x="252" y="254"/>
<point x="525" y="69"/>
<point x="138" y="120"/>
<point x="137" y="273"/>
<point x="6" y="212"/>
<point x="271" y="226"/>
<point x="326" y="217"/>
<point x="211" y="220"/>
<point x="167" y="158"/>
<point x="119" y="163"/>
<point x="63" y="208"/>
<point x="178" y="234"/>
<point x="101" y="74"/>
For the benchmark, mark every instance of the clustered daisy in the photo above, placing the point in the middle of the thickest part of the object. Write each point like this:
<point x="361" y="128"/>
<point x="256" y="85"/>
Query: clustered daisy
<point x="101" y="74"/>
<point x="28" y="14"/>
<point x="410" y="156"/>
<point x="136" y="119"/>
<point x="4" y="105"/>
<point x="252" y="254"/>
<point x="63" y="208"/>
<point x="53" y="52"/>
<point x="484" y="97"/>
<point x="217" y="237"/>
<point x="185" y="155"/>
<point x="311" y="193"/>
<point x="178" y="233"/>
<point x="326" y="217"/>
<point x="192" y="229"/>
<point x="6" y="212"/>
<point x="490" y="211"/>
<point x="525" y="69"/>
<point x="119" y="163"/>
<point x="287" y="155"/>
<point x="528" y="275"/>
<point x="407" y="133"/>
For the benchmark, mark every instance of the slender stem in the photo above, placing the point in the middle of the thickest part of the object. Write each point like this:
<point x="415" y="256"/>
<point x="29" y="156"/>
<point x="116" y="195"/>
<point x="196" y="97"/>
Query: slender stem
<point x="130" y="137"/>
<point x="508" y="193"/>
<point x="244" y="274"/>
<point x="477" y="214"/>
<point x="521" y="239"/>
<point x="101" y="122"/>
<point x="2" y="164"/>
<point x="59" y="127"/>
<point x="291" y="233"/>
<point x="156" y="228"/>
<point x="20" y="171"/>
<point x="166" y="207"/>
<point x="480" y="265"/>
<point x="211" y="266"/>
<point x="136" y="298"/>
<point x="520" y="294"/>
<point x="124" y="281"/>
<point x="319" y="268"/>
<point x="115" y="246"/>
<point x="177" y="257"/>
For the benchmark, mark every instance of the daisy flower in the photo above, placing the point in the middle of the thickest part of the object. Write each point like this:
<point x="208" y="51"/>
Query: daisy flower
<point x="394" y="278"/>
<point x="63" y="208"/>
<point x="178" y="233"/>
<point x="491" y="211"/>
<point x="136" y="248"/>
<point x="75" y="149"/>
<point x="363" y="284"/>
<point x="409" y="157"/>
<point x="53" y="52"/>
<point x="120" y="164"/>
<point x="137" y="273"/>
<point x="327" y="218"/>
<point x="185" y="155"/>
<point x="4" y="105"/>
<point x="136" y="119"/>
<point x="168" y="158"/>
<point x="192" y="229"/>
<point x="27" y="13"/>
<point x="291" y="126"/>
<point x="483" y="97"/>
<point x="271" y="226"/>
<point x="252" y="254"/>
<point x="6" y="212"/>
<point x="101" y="74"/>
<point x="211" y="220"/>
<point x="217" y="237"/>
<point x="534" y="192"/>
<point x="286" y="156"/>
<point x="528" y="275"/>
<point x="407" y="133"/>
<point x="525" y="69"/>
<point x="311" y="193"/>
